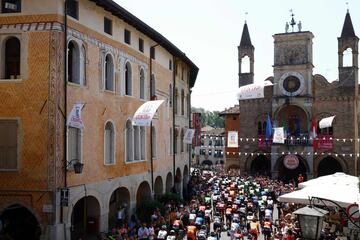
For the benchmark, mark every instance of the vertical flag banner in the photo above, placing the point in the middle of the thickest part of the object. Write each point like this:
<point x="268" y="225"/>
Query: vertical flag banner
<point x="314" y="134"/>
<point x="74" y="118"/>
<point x="268" y="130"/>
<point x="326" y="122"/>
<point x="233" y="139"/>
<point x="146" y="112"/>
<point x="189" y="136"/>
<point x="278" y="135"/>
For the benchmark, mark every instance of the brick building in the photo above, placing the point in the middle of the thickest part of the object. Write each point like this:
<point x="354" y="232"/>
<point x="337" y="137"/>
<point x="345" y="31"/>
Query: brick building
<point x="98" y="54"/>
<point x="297" y="98"/>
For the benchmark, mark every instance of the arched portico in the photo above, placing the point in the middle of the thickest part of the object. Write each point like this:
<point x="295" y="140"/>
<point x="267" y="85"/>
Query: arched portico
<point x="119" y="199"/>
<point x="168" y="182"/>
<point x="259" y="165"/>
<point x="143" y="193"/>
<point x="290" y="166"/>
<point x="330" y="165"/>
<point x="158" y="187"/>
<point x="178" y="180"/>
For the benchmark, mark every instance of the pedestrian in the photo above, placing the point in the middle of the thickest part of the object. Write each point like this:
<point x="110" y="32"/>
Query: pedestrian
<point x="143" y="232"/>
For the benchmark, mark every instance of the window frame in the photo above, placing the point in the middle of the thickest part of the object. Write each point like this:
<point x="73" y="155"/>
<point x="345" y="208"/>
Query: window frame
<point x="112" y="141"/>
<point x="142" y="82"/>
<point x="80" y="63"/>
<point x="112" y="73"/>
<point x="128" y="82"/>
<point x="127" y="36"/>
<point x="70" y="11"/>
<point x="108" y="26"/>
<point x="141" y="45"/>
<point x="18" y="144"/>
<point x="3" y="2"/>
<point x="80" y="142"/>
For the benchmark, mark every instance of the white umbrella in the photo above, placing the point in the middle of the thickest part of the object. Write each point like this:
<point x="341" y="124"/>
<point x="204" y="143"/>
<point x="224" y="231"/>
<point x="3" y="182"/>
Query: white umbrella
<point x="338" y="178"/>
<point x="340" y="194"/>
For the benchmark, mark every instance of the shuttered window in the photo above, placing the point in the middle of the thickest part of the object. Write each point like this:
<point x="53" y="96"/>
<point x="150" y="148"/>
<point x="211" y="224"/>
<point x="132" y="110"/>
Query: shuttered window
<point x="74" y="144"/>
<point x="8" y="144"/>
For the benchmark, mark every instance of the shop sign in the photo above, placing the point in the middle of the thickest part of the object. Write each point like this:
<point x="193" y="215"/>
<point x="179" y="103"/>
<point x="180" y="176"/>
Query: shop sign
<point x="291" y="161"/>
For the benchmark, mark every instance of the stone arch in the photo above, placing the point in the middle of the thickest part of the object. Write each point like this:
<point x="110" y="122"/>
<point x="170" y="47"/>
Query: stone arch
<point x="259" y="164"/>
<point x="178" y="180"/>
<point x="85" y="218"/>
<point x="168" y="182"/>
<point x="185" y="181"/>
<point x="158" y="186"/>
<point x="329" y="165"/>
<point x="288" y="175"/>
<point x="143" y="193"/>
<point x="120" y="198"/>
<point x="291" y="116"/>
<point x="21" y="222"/>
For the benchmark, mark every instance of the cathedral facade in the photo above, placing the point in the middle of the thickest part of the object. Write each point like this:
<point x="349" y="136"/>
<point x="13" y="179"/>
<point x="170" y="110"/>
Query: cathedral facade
<point x="296" y="101"/>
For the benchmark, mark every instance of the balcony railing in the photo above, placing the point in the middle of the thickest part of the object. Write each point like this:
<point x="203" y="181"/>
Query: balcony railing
<point x="301" y="140"/>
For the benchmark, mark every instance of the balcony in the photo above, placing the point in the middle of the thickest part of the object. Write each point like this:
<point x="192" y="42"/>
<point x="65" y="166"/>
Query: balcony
<point x="301" y="140"/>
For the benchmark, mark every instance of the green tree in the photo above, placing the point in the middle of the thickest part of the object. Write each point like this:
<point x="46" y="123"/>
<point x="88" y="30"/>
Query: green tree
<point x="209" y="118"/>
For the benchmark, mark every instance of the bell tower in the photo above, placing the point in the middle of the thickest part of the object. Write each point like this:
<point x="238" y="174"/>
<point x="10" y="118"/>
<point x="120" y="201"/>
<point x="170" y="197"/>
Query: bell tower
<point x="348" y="41"/>
<point x="246" y="58"/>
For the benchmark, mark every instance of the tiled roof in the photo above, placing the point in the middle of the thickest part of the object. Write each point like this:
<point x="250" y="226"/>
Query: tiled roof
<point x="232" y="110"/>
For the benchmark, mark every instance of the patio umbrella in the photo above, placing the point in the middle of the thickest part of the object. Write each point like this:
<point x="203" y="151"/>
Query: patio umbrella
<point x="338" y="178"/>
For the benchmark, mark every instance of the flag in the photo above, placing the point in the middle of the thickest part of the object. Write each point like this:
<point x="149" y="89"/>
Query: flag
<point x="314" y="134"/>
<point x="232" y="139"/>
<point x="189" y="135"/>
<point x="74" y="118"/>
<point x="279" y="135"/>
<point x="268" y="130"/>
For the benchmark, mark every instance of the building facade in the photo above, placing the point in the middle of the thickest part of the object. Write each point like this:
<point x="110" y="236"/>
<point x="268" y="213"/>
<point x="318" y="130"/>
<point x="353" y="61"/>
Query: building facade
<point x="99" y="55"/>
<point x="297" y="99"/>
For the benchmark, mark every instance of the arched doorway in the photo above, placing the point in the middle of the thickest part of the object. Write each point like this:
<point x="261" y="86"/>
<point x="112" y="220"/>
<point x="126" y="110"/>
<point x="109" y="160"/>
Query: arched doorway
<point x="290" y="167"/>
<point x="168" y="182"/>
<point x="19" y="223"/>
<point x="158" y="187"/>
<point x="261" y="165"/>
<point x="119" y="200"/>
<point x="85" y="218"/>
<point x="143" y="193"/>
<point x="178" y="181"/>
<point x="329" y="165"/>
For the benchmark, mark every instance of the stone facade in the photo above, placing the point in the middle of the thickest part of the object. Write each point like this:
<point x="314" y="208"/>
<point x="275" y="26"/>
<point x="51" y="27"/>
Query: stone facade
<point x="296" y="99"/>
<point x="36" y="100"/>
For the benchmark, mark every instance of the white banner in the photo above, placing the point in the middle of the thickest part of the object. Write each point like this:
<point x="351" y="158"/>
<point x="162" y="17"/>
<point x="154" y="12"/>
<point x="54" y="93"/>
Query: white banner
<point x="74" y="118"/>
<point x="146" y="112"/>
<point x="326" y="122"/>
<point x="232" y="139"/>
<point x="255" y="90"/>
<point x="279" y="135"/>
<point x="189" y="135"/>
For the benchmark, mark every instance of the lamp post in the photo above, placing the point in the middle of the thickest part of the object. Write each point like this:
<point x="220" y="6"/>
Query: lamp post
<point x="311" y="221"/>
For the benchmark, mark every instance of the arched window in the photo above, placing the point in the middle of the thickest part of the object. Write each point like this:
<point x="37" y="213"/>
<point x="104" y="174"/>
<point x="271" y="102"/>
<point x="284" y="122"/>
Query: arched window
<point x="136" y="143"/>
<point x="83" y="66"/>
<point x="129" y="142"/>
<point x="152" y="87"/>
<point x="109" y="147"/>
<point x="348" y="58"/>
<point x="142" y="84"/>
<point x="109" y="73"/>
<point x="176" y="141"/>
<point x="73" y="62"/>
<point x="170" y="95"/>
<point x="182" y="101"/>
<point x="153" y="138"/>
<point x="128" y="79"/>
<point x="142" y="143"/>
<point x="181" y="141"/>
<point x="176" y="101"/>
<point x="12" y="58"/>
<point x="245" y="64"/>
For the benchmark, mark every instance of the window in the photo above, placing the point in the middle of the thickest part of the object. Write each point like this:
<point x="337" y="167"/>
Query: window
<point x="245" y="64"/>
<point x="83" y="66"/>
<point x="107" y="26"/>
<point x="176" y="101"/>
<point x="176" y="141"/>
<point x="171" y="142"/>
<point x="347" y="60"/>
<point x="210" y="142"/>
<point x="152" y="87"/>
<point x="109" y="73"/>
<point x="142" y="143"/>
<point x="182" y="73"/>
<point x="8" y="144"/>
<point x="153" y="138"/>
<point x="202" y="151"/>
<point x="141" y="45"/>
<point x="142" y="84"/>
<point x="74" y="144"/>
<point x="209" y="152"/>
<point x="181" y="141"/>
<point x="109" y="148"/>
<point x="127" y="36"/>
<point x="73" y="62"/>
<point x="136" y="143"/>
<point x="170" y="95"/>
<point x="129" y="142"/>
<point x="182" y="101"/>
<point x="12" y="58"/>
<point x="170" y="64"/>
<point x="128" y="79"/>
<point x="152" y="52"/>
<point x="11" y="6"/>
<point x="73" y="9"/>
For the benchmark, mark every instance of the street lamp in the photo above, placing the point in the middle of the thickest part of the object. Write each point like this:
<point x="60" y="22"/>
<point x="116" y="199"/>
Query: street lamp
<point x="78" y="166"/>
<point x="311" y="221"/>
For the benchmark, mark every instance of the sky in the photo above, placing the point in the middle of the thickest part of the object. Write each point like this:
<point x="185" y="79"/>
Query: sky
<point x="209" y="32"/>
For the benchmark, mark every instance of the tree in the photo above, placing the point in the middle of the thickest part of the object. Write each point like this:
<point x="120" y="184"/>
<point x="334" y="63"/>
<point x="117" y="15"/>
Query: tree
<point x="209" y="118"/>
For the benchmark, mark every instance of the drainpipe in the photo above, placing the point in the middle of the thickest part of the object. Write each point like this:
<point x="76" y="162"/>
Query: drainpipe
<point x="173" y="129"/>
<point x="189" y="116"/>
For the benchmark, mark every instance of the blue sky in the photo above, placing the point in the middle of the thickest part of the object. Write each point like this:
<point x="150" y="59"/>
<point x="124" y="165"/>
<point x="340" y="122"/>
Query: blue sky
<point x="209" y="31"/>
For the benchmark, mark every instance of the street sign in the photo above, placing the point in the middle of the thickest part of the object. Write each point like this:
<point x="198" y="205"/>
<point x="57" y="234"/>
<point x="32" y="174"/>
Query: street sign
<point x="353" y="211"/>
<point x="64" y="197"/>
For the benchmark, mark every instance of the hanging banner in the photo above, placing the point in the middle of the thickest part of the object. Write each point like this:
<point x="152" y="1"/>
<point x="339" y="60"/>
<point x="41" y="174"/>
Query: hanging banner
<point x="326" y="122"/>
<point x="251" y="91"/>
<point x="233" y="139"/>
<point x="291" y="161"/>
<point x="146" y="112"/>
<point x="74" y="118"/>
<point x="189" y="136"/>
<point x="279" y="135"/>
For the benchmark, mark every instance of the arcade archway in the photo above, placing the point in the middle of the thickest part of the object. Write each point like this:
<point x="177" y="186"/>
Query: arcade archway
<point x="85" y="218"/>
<point x="119" y="199"/>
<point x="290" y="166"/>
<point x="178" y="180"/>
<point x="158" y="187"/>
<point x="168" y="182"/>
<point x="329" y="165"/>
<point x="143" y="193"/>
<point x="260" y="165"/>
<point x="185" y="181"/>
<point x="20" y="223"/>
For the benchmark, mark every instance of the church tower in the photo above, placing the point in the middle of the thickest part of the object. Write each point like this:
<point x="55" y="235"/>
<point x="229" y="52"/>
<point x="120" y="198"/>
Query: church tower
<point x="348" y="74"/>
<point x="246" y="58"/>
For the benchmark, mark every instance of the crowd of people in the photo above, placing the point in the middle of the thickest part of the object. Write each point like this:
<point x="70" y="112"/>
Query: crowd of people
<point x="219" y="202"/>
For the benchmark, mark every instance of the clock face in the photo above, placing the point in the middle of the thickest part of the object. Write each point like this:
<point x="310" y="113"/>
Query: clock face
<point x="291" y="84"/>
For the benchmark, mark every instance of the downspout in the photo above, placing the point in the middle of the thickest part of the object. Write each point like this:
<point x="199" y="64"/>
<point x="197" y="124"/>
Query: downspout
<point x="189" y="116"/>
<point x="173" y="128"/>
